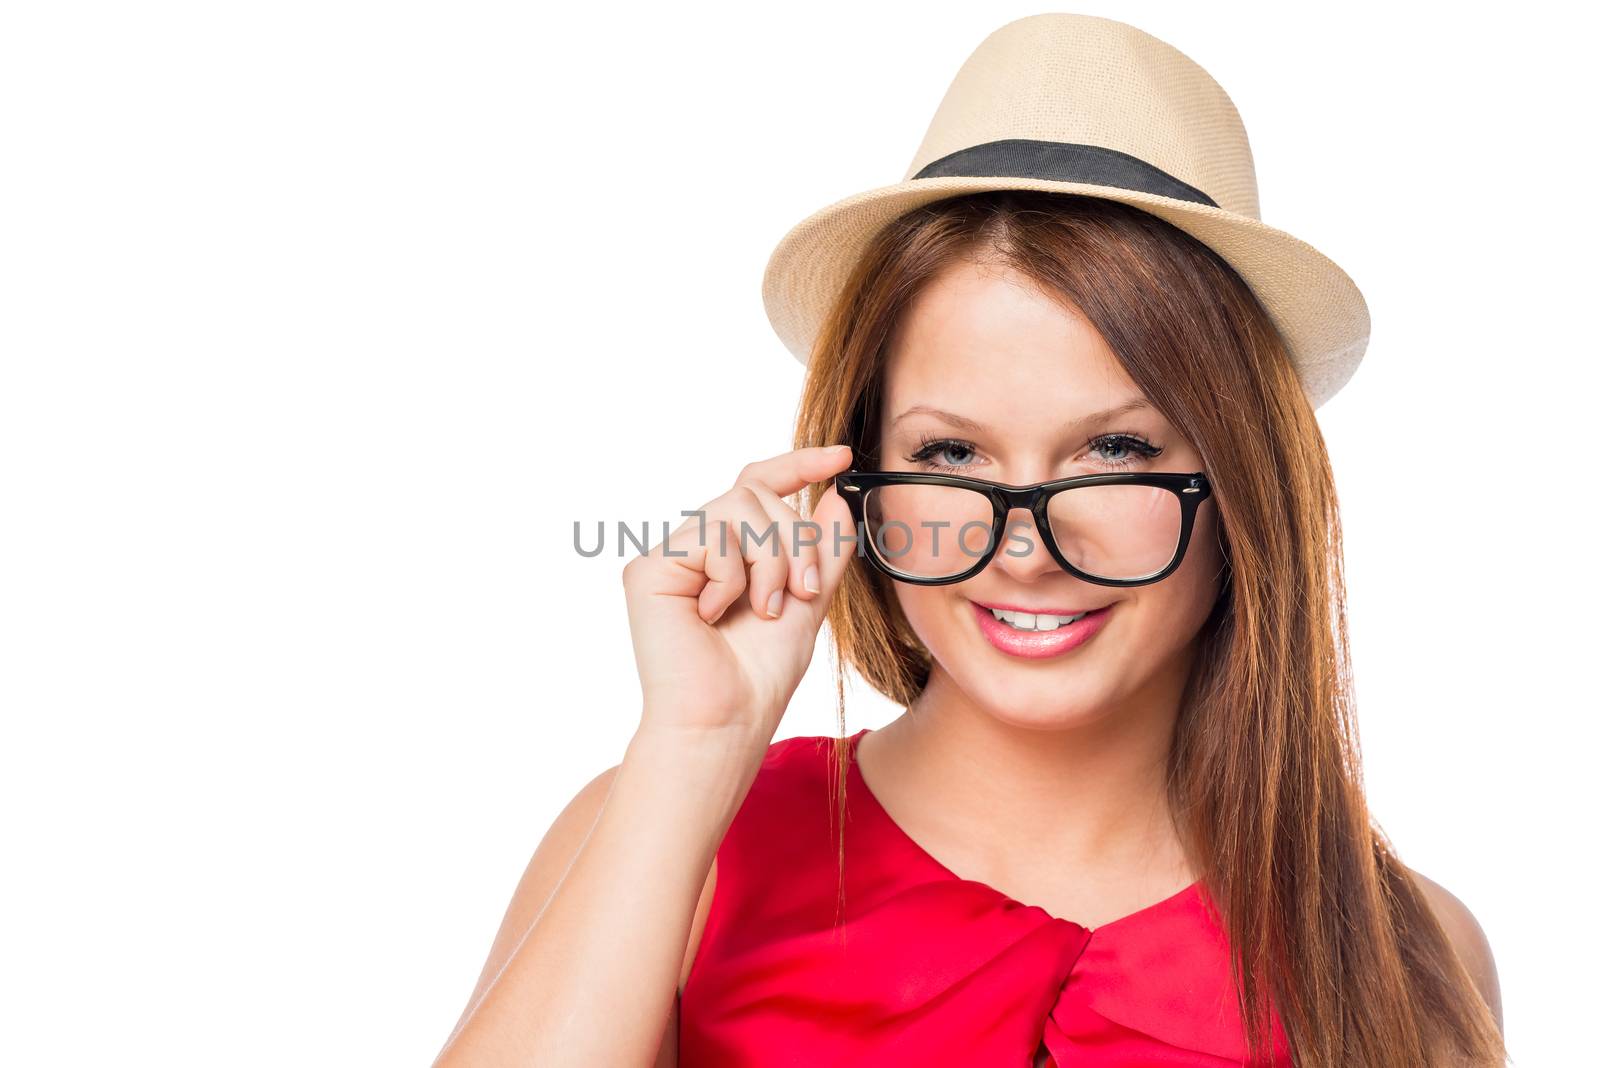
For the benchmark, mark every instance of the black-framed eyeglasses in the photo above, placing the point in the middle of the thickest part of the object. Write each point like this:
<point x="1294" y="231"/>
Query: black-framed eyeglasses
<point x="1126" y="529"/>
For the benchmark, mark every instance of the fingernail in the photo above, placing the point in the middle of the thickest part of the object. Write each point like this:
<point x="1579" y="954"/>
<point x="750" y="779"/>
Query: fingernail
<point x="840" y="448"/>
<point x="774" y="603"/>
<point x="810" y="579"/>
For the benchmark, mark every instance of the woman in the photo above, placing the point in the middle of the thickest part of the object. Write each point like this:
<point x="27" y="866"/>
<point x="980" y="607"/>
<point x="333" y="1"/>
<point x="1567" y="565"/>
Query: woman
<point x="1128" y="716"/>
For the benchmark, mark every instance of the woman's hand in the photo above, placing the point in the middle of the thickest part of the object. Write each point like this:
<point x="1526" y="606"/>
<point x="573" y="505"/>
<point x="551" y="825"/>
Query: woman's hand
<point x="709" y="652"/>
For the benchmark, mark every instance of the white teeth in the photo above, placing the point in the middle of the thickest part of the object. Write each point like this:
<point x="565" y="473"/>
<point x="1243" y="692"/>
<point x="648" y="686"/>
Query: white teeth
<point x="1033" y="621"/>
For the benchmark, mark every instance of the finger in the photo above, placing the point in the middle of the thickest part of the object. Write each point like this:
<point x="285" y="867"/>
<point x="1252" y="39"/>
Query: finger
<point x="836" y="549"/>
<point x="686" y="533"/>
<point x="675" y="566"/>
<point x="763" y="548"/>
<point x="747" y="541"/>
<point x="724" y="571"/>
<point x="834" y="527"/>
<point x="792" y="471"/>
<point x="800" y="557"/>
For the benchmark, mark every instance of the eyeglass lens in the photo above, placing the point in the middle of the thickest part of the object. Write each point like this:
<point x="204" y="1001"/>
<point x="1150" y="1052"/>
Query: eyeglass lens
<point x="1111" y="531"/>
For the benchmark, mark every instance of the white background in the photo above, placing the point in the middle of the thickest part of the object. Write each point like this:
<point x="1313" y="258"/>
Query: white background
<point x="322" y="323"/>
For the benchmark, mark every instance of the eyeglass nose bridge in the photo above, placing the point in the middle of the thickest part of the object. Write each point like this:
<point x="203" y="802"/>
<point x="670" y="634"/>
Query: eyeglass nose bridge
<point x="1031" y="499"/>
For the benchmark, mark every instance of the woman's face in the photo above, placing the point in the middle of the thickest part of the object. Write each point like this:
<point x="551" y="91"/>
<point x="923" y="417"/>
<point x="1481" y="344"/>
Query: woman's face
<point x="990" y="378"/>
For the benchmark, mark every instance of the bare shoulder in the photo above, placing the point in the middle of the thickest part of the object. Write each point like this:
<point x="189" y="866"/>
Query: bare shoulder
<point x="1468" y="938"/>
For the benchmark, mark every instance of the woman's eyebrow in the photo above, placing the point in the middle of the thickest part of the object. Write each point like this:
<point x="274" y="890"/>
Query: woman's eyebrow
<point x="938" y="413"/>
<point x="975" y="427"/>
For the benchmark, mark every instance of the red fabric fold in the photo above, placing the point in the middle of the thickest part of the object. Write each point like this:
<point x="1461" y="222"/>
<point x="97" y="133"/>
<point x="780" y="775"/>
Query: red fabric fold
<point x="926" y="968"/>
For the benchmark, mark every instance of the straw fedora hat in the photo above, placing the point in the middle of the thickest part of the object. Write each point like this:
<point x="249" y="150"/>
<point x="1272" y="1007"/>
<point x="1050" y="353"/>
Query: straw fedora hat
<point x="1084" y="104"/>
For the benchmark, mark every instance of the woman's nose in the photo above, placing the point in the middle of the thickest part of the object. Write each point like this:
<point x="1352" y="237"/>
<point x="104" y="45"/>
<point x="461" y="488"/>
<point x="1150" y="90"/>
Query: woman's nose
<point x="1022" y="554"/>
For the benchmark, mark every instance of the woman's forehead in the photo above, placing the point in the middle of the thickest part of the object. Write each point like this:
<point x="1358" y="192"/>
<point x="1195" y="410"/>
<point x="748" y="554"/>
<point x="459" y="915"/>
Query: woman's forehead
<point x="1034" y="388"/>
<point x="984" y="336"/>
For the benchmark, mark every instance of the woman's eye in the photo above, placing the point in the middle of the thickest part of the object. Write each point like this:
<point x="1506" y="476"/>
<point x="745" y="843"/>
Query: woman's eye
<point x="944" y="454"/>
<point x="1120" y="450"/>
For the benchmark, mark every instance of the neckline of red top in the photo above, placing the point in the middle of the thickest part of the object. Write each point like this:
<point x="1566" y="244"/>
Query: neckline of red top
<point x="857" y="784"/>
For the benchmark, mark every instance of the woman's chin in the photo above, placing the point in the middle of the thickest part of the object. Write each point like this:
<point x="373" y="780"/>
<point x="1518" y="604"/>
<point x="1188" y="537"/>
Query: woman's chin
<point x="1041" y="707"/>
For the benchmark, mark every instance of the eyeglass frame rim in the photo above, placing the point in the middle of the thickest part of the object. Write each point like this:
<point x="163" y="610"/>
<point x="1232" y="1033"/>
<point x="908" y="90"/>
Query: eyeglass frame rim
<point x="1191" y="488"/>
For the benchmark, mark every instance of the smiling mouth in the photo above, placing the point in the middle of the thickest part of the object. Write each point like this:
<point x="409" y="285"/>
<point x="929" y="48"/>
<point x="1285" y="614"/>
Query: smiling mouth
<point x="1030" y="622"/>
<point x="1038" y="635"/>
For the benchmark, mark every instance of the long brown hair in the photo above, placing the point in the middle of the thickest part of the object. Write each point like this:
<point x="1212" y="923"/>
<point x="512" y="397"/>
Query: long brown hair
<point x="1264" y="771"/>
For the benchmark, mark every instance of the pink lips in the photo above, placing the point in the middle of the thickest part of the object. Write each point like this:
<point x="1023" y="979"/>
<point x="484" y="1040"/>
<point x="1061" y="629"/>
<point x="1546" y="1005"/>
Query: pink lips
<point x="1036" y="645"/>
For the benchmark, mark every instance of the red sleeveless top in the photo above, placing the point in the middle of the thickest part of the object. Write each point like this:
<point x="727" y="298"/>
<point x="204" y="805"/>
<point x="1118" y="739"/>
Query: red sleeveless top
<point x="924" y="967"/>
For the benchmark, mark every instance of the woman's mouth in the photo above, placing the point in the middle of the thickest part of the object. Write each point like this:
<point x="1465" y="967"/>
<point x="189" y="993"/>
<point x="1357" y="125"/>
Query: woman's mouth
<point x="1034" y="635"/>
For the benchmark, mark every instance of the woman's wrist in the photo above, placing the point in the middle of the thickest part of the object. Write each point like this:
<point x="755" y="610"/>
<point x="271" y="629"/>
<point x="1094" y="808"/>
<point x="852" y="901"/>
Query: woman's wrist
<point x="671" y="735"/>
<point x="714" y="765"/>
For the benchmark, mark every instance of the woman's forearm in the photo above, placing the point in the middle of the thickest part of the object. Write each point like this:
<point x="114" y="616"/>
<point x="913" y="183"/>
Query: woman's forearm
<point x="593" y="980"/>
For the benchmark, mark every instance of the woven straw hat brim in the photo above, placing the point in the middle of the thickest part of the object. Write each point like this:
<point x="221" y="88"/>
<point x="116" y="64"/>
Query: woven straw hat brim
<point x="1314" y="304"/>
